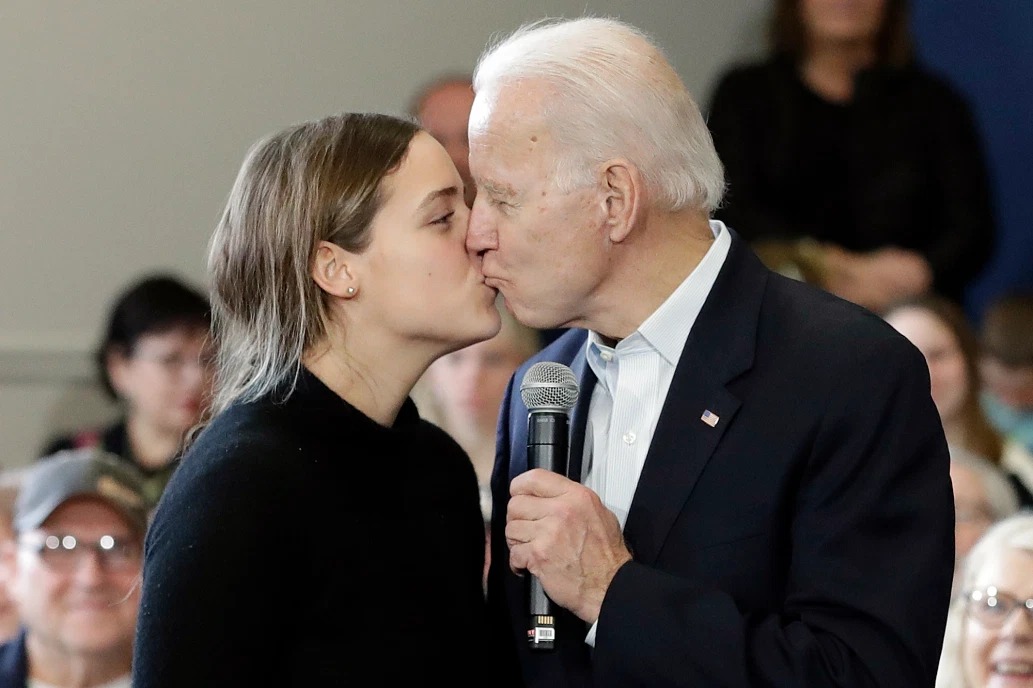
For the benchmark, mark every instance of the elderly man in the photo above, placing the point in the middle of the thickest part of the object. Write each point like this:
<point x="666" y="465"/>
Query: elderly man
<point x="758" y="490"/>
<point x="74" y="567"/>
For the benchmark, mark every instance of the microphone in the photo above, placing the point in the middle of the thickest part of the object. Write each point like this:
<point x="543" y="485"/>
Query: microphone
<point x="548" y="390"/>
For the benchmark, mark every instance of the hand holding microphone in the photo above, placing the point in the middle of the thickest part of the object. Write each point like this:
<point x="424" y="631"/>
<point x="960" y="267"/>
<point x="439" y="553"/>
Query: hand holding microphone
<point x="555" y="526"/>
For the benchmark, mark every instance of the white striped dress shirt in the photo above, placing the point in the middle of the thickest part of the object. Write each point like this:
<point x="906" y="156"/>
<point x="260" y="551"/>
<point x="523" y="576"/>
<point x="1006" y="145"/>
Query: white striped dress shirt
<point x="633" y="379"/>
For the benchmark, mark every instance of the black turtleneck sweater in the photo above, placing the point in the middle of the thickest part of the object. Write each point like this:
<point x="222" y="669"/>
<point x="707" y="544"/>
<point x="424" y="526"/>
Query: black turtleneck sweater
<point x="301" y="543"/>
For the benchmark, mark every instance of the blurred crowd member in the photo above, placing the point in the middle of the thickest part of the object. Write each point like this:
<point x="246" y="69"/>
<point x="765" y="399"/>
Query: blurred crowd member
<point x="10" y="482"/>
<point x="442" y="108"/>
<point x="939" y="329"/>
<point x="1006" y="366"/>
<point x="339" y="273"/>
<point x="983" y="495"/>
<point x="849" y="165"/>
<point x="74" y="572"/>
<point x="989" y="636"/>
<point x="468" y="386"/>
<point x="154" y="360"/>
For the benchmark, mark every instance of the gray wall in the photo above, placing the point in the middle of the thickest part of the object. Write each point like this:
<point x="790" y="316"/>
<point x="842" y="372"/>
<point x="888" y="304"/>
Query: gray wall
<point x="123" y="122"/>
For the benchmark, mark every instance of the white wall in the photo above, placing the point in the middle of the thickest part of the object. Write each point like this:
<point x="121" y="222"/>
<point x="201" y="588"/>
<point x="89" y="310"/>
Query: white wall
<point x="123" y="122"/>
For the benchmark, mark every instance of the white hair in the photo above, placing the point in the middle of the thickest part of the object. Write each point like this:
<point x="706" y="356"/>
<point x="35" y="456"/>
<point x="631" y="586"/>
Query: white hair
<point x="1012" y="533"/>
<point x="615" y="94"/>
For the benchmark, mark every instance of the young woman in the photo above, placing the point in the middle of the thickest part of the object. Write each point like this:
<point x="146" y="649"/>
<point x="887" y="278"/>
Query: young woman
<point x="153" y="360"/>
<point x="318" y="531"/>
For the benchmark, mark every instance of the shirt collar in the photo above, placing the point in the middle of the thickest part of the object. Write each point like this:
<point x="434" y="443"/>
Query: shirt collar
<point x="667" y="329"/>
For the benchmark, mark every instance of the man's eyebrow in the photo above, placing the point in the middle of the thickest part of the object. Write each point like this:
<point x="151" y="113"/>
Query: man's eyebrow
<point x="497" y="188"/>
<point x="447" y="192"/>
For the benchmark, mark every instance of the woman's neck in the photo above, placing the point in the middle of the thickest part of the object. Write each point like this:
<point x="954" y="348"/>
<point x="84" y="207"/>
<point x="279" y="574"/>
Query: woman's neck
<point x="54" y="667"/>
<point x="373" y="377"/>
<point x="830" y="68"/>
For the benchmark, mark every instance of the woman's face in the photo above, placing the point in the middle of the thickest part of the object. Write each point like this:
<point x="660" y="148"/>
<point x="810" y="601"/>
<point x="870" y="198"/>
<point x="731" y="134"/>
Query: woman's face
<point x="417" y="278"/>
<point x="947" y="374"/>
<point x="1001" y="657"/>
<point x="165" y="379"/>
<point x="842" y="20"/>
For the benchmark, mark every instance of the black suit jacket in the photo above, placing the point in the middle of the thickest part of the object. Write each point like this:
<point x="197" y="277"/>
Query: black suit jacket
<point x="804" y="540"/>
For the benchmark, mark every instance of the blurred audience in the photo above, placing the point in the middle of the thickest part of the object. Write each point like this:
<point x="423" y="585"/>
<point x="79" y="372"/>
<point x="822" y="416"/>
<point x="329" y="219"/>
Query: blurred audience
<point x="10" y="482"/>
<point x="983" y="495"/>
<point x="466" y="389"/>
<point x="1006" y="366"/>
<point x="74" y="570"/>
<point x="848" y="164"/>
<point x="442" y="108"/>
<point x="939" y="329"/>
<point x="989" y="635"/>
<point x="154" y="360"/>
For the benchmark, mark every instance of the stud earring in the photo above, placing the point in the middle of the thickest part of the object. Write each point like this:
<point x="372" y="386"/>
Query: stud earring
<point x="351" y="291"/>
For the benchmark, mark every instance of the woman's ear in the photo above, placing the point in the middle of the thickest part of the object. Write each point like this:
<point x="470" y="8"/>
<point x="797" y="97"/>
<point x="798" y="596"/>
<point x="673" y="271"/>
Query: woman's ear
<point x="334" y="270"/>
<point x="116" y="363"/>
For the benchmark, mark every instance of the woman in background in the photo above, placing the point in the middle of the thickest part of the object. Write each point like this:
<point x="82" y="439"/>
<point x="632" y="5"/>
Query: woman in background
<point x="153" y="360"/>
<point x="988" y="641"/>
<point x="318" y="532"/>
<point x="939" y="329"/>
<point x="848" y="164"/>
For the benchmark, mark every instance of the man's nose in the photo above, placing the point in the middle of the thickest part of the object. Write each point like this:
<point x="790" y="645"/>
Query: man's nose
<point x="481" y="234"/>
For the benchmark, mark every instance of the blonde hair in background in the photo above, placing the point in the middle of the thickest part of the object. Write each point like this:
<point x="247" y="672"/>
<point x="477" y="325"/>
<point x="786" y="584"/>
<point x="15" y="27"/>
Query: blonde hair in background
<point x="615" y="95"/>
<point x="1014" y="532"/>
<point x="315" y="181"/>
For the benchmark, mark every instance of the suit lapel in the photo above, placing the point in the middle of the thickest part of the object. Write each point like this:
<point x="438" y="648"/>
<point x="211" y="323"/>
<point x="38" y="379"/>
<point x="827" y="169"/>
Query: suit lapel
<point x="719" y="348"/>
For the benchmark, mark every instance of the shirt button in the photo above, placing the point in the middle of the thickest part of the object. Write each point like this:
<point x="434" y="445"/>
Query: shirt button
<point x="606" y="356"/>
<point x="629" y="438"/>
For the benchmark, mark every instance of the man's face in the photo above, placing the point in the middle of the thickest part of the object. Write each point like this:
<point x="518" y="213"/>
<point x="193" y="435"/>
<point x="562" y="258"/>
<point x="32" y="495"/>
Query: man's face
<point x="80" y="602"/>
<point x="444" y="114"/>
<point x="545" y="250"/>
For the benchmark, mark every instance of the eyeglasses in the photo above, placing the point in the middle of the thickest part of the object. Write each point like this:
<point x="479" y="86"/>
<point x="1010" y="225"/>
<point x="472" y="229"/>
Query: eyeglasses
<point x="991" y="607"/>
<point x="64" y="553"/>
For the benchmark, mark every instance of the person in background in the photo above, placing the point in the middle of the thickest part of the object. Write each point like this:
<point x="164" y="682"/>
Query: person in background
<point x="988" y="641"/>
<point x="1006" y="368"/>
<point x="73" y="571"/>
<point x="10" y="482"/>
<point x="442" y="108"/>
<point x="748" y="455"/>
<point x="939" y="329"/>
<point x="465" y="391"/>
<point x="339" y="274"/>
<point x="154" y="360"/>
<point x="983" y="495"/>
<point x="848" y="164"/>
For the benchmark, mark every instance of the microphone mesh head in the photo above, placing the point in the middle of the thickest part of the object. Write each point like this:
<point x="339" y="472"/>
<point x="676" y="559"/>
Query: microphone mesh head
<point x="549" y="385"/>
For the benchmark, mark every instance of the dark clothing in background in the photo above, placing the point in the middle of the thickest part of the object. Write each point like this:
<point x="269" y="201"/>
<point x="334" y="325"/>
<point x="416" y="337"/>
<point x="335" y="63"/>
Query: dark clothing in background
<point x="115" y="439"/>
<point x="900" y="165"/>
<point x="14" y="663"/>
<point x="303" y="544"/>
<point x="805" y="539"/>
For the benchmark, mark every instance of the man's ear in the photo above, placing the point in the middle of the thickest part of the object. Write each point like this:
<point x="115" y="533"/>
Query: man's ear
<point x="116" y="364"/>
<point x="623" y="199"/>
<point x="334" y="270"/>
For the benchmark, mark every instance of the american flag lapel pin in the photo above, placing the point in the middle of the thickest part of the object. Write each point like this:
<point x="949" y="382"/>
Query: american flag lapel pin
<point x="710" y="418"/>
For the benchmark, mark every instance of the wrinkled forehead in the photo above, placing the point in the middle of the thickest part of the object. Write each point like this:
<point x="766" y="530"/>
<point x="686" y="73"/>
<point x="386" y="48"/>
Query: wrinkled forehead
<point x="511" y="108"/>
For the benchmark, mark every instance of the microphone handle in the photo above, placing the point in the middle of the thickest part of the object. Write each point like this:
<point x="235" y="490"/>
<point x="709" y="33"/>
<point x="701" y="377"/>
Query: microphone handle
<point x="547" y="447"/>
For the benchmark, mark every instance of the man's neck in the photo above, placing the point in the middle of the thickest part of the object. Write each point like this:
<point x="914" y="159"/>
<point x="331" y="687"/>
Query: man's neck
<point x="648" y="266"/>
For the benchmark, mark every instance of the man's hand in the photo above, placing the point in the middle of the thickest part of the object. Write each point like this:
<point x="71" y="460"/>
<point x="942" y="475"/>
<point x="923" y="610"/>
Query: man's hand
<point x="560" y="532"/>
